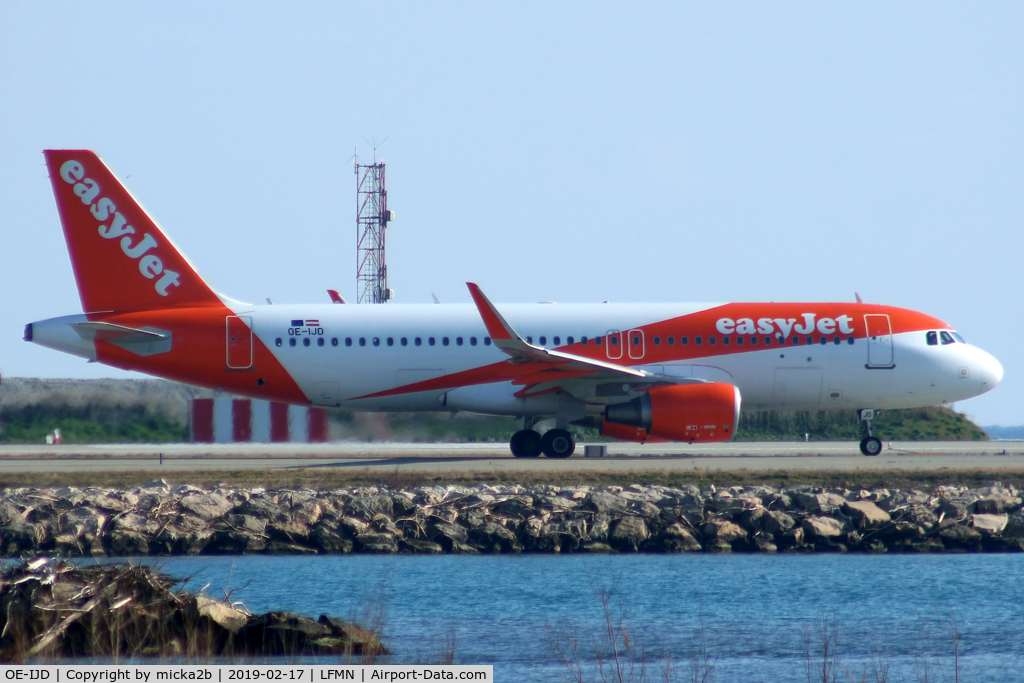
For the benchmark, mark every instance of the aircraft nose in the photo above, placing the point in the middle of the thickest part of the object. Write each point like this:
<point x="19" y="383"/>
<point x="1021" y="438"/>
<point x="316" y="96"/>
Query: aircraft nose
<point x="990" y="371"/>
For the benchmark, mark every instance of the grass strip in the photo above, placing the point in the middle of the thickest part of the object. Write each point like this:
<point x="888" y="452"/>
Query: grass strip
<point x="326" y="479"/>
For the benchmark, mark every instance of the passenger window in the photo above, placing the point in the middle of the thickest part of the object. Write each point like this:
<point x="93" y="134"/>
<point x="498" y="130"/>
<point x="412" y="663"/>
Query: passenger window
<point x="277" y="342"/>
<point x="767" y="341"/>
<point x="597" y="341"/>
<point x="334" y="341"/>
<point x="810" y="340"/>
<point x="558" y="341"/>
<point x="657" y="340"/>
<point x="404" y="341"/>
<point x="376" y="341"/>
<point x="391" y="341"/>
<point x="305" y="342"/>
<point x="472" y="341"/>
<point x="932" y="338"/>
<point x="671" y="340"/>
<point x="753" y="341"/>
<point x="418" y="341"/>
<point x="291" y="342"/>
<point x="850" y="341"/>
<point x="430" y="340"/>
<point x="458" y="341"/>
<point x="444" y="341"/>
<point x="543" y="340"/>
<point x="836" y="340"/>
<point x="362" y="341"/>
<point x="487" y="341"/>
<point x="796" y="341"/>
<point x="684" y="340"/>
<point x="569" y="341"/>
<point x="320" y="341"/>
<point x="583" y="340"/>
<point x="725" y="341"/>
<point x="348" y="341"/>
<point x="614" y="341"/>
<point x="739" y="341"/>
<point x="698" y="340"/>
<point x="946" y="339"/>
<point x="712" y="339"/>
<point x="636" y="340"/>
<point x="822" y="341"/>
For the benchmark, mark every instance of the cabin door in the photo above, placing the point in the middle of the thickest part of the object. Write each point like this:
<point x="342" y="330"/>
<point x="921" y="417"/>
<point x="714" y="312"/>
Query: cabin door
<point x="879" y="341"/>
<point x="239" y="342"/>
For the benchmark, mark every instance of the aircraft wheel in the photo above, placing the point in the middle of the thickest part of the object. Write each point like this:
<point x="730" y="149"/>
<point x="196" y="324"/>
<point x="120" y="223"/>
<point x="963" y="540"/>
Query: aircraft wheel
<point x="525" y="443"/>
<point x="558" y="443"/>
<point x="872" y="445"/>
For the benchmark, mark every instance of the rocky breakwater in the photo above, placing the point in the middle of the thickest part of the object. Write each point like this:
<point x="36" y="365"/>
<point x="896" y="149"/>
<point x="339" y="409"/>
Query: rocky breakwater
<point x="157" y="519"/>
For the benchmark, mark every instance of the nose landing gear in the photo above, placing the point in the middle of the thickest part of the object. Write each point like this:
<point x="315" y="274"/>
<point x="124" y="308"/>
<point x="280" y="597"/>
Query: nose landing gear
<point x="869" y="445"/>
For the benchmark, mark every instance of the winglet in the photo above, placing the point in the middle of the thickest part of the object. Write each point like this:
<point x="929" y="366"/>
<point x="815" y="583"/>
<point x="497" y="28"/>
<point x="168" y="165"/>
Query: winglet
<point x="496" y="325"/>
<point x="335" y="297"/>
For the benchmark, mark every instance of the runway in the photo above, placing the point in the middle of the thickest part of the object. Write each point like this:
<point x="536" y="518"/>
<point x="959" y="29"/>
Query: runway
<point x="389" y="457"/>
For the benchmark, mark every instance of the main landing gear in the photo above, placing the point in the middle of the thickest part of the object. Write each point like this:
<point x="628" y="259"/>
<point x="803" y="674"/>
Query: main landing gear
<point x="869" y="445"/>
<point x="556" y="443"/>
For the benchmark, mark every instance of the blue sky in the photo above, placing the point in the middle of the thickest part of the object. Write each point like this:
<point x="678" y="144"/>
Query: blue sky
<point x="548" y="151"/>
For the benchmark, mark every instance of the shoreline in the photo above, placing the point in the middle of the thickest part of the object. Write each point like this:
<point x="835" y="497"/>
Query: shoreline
<point x="160" y="520"/>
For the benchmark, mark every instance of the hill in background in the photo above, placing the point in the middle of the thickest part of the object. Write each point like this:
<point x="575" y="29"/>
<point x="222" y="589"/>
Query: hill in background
<point x="156" y="411"/>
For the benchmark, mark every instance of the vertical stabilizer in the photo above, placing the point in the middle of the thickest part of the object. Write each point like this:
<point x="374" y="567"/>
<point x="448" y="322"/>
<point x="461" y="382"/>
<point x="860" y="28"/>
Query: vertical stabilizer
<point x="122" y="260"/>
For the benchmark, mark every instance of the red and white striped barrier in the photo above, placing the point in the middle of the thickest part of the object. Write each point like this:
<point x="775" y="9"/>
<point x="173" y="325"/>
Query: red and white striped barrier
<point x="243" y="420"/>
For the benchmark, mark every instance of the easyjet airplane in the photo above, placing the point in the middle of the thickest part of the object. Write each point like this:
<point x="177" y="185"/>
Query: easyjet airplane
<point x="642" y="372"/>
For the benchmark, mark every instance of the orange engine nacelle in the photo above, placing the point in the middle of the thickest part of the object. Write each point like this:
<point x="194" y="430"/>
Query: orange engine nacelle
<point x="681" y="412"/>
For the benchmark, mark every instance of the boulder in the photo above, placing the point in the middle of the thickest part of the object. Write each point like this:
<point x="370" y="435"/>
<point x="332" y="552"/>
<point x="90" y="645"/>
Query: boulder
<point x="330" y="538"/>
<point x="223" y="614"/>
<point x="126" y="543"/>
<point x="822" y="527"/>
<point x="628" y="533"/>
<point x="420" y="546"/>
<point x="205" y="505"/>
<point x="866" y="514"/>
<point x="678" y="539"/>
<point x="989" y="525"/>
<point x="777" y="522"/>
<point x="961" y="536"/>
<point x="447" y="534"/>
<point x="724" y="530"/>
<point x="815" y="503"/>
<point x="493" y="537"/>
<point x="377" y="543"/>
<point x="1014" y="525"/>
<point x="608" y="503"/>
<point x="232" y="541"/>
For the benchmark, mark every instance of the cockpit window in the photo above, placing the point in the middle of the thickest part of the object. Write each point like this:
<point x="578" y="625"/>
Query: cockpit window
<point x="946" y="339"/>
<point x="933" y="338"/>
<point x="958" y="337"/>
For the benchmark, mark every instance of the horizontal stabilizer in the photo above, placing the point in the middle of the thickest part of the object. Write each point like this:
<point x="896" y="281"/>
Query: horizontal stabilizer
<point x="142" y="341"/>
<point x="110" y="332"/>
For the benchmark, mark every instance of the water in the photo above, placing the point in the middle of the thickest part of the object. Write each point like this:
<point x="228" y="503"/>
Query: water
<point x="757" y="609"/>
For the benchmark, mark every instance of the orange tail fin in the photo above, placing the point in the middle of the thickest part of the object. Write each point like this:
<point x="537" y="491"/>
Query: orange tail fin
<point x="122" y="260"/>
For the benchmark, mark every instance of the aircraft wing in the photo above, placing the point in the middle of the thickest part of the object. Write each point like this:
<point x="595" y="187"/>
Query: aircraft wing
<point x="508" y="340"/>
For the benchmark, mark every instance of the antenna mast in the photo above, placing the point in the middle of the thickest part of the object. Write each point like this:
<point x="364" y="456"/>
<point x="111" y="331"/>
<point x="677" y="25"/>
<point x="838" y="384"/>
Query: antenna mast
<point x="372" y="218"/>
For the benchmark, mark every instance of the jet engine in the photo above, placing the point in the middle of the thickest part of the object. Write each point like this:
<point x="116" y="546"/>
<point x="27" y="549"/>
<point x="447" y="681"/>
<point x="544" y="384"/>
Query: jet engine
<point x="681" y="412"/>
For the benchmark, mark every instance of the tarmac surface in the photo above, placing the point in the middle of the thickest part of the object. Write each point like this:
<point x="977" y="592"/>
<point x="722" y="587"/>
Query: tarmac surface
<point x="751" y="456"/>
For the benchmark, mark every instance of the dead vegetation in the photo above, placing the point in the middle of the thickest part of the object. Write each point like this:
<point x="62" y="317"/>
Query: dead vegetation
<point x="55" y="610"/>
